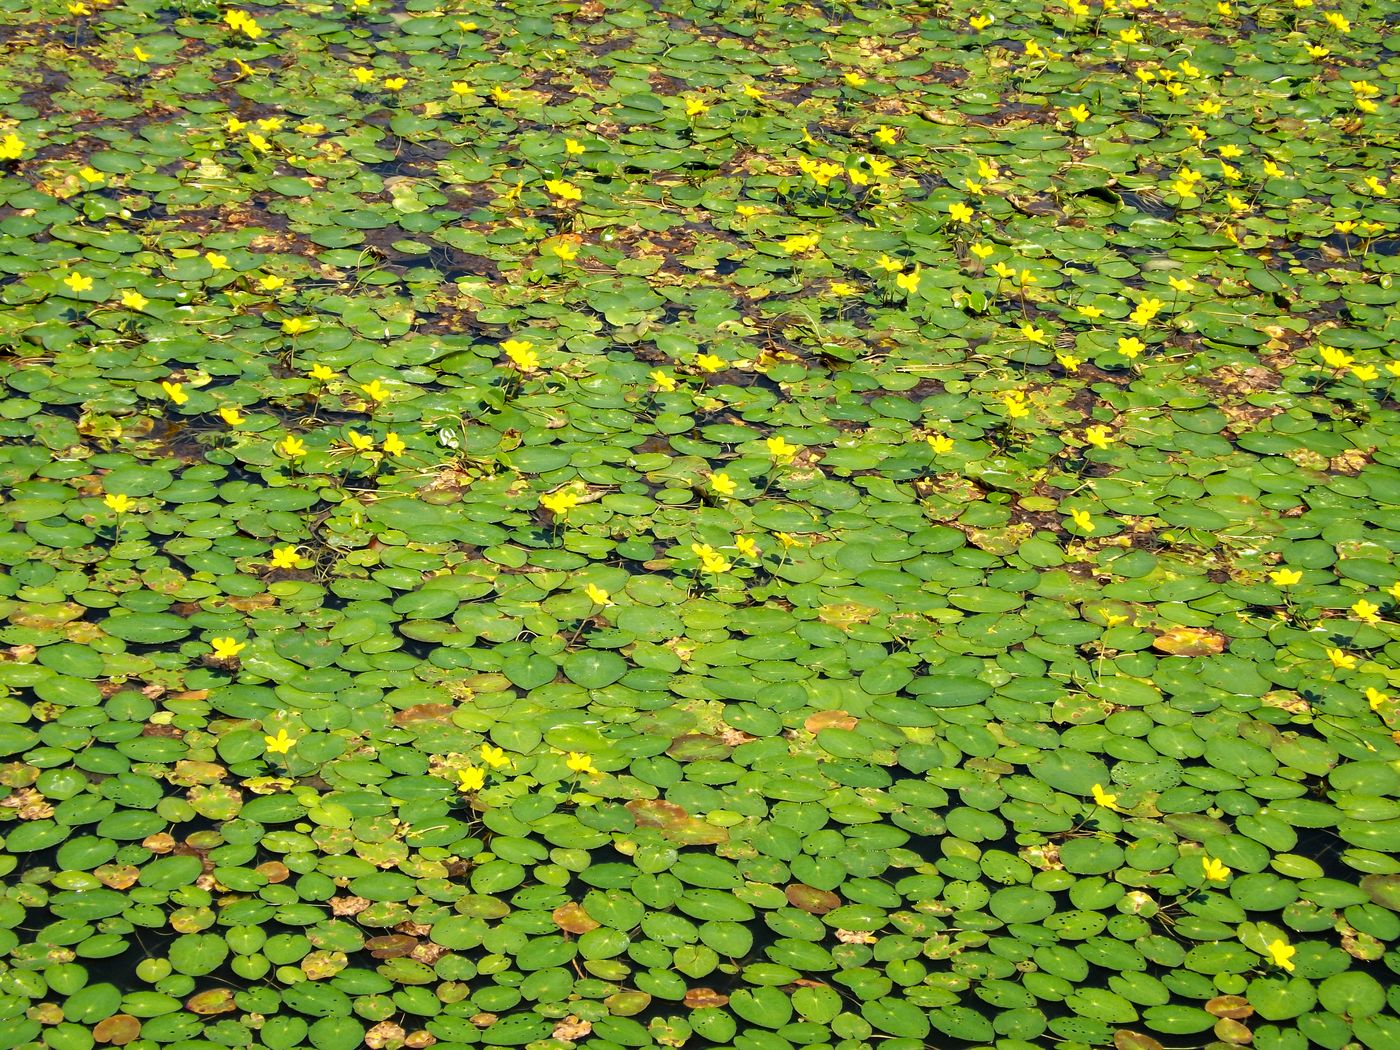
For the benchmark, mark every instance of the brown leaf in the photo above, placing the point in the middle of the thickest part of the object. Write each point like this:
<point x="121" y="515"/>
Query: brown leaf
<point x="119" y="1029"/>
<point x="810" y="899"/>
<point x="1228" y="1030"/>
<point x="571" y="918"/>
<point x="384" y="1034"/>
<point x="391" y="946"/>
<point x="1123" y="1039"/>
<point x="214" y="1001"/>
<point x="675" y="823"/>
<point x="571" y="1029"/>
<point x="828" y="720"/>
<point x="1229" y="1006"/>
<point x="698" y="998"/>
<point x="1190" y="641"/>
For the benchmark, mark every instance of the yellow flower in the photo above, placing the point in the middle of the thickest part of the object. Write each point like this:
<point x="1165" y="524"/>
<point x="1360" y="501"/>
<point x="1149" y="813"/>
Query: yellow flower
<point x="494" y="757"/>
<point x="909" y="282"/>
<point x="175" y="391"/>
<point x="1130" y="36"/>
<point x="889" y="265"/>
<point x="375" y="391"/>
<point x="1334" y="358"/>
<point x="230" y="415"/>
<point x="271" y="282"/>
<point x="292" y="447"/>
<point x="1342" y="25"/>
<point x="571" y="146"/>
<point x="1272" y="170"/>
<point x="1082" y="520"/>
<point x="842" y="288"/>
<point x="1069" y="362"/>
<point x="981" y="250"/>
<point x="284" y="557"/>
<point x="980" y="22"/>
<point x="1131" y="346"/>
<point x="788" y="540"/>
<point x="12" y="147"/>
<point x="217" y="261"/>
<point x="1180" y="284"/>
<point x="854" y="79"/>
<point x="1015" y="406"/>
<point x="521" y="355"/>
<point x="880" y="168"/>
<point x="362" y="75"/>
<point x="1365" y="373"/>
<point x="800" y="243"/>
<point x="395" y="83"/>
<point x="564" y="251"/>
<point x="1285" y="577"/>
<point x="1367" y="611"/>
<point x="886" y="136"/>
<point x="1025" y="279"/>
<point x="471" y="778"/>
<point x="394" y="445"/>
<point x="580" y="763"/>
<point x="227" y="648"/>
<point x="360" y="442"/>
<point x="960" y="212"/>
<point x="722" y="484"/>
<point x="1215" y="870"/>
<point x="746" y="546"/>
<point x="709" y="362"/>
<point x="1098" y="436"/>
<point x="1342" y="661"/>
<point x="90" y="175"/>
<point x="1281" y="954"/>
<point x="780" y="450"/>
<point x="1103" y="798"/>
<point x="597" y="595"/>
<point x="1209" y="108"/>
<point x="1344" y="227"/>
<point x="1079" y="114"/>
<point x="1034" y="334"/>
<point x="295" y="325"/>
<point x="118" y="502"/>
<point x="560" y="503"/>
<point x="77" y="282"/>
<point x="1145" y="311"/>
<point x="140" y="55"/>
<point x="714" y="564"/>
<point x="134" y="300"/>
<point x="941" y="444"/>
<point x="662" y="381"/>
<point x="695" y="107"/>
<point x="752" y="92"/>
<point x="279" y="744"/>
<point x="564" y="189"/>
<point x="1376" y="698"/>
<point x="1089" y="310"/>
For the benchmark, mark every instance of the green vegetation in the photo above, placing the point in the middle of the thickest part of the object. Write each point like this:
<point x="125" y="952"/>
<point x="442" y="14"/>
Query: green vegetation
<point x="623" y="524"/>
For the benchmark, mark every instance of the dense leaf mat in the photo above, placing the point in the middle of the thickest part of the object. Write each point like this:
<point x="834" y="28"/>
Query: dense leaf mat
<point x="734" y="524"/>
